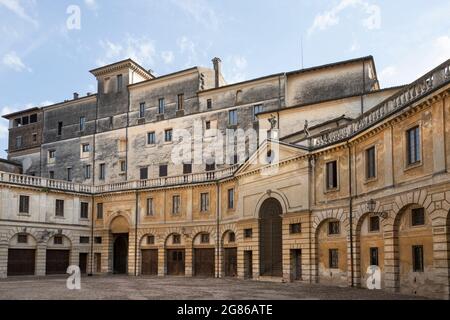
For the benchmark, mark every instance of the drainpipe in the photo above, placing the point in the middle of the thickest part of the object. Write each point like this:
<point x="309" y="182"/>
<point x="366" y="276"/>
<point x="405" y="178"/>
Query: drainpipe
<point x="135" y="234"/>
<point x="350" y="190"/>
<point x="92" y="237"/>
<point x="218" y="228"/>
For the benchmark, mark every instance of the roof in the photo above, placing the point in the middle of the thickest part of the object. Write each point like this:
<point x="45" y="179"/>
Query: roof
<point x="10" y="162"/>
<point x="120" y="64"/>
<point x="10" y="115"/>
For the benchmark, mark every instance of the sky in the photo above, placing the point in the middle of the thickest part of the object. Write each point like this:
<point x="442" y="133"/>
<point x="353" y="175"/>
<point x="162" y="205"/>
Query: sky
<point x="47" y="47"/>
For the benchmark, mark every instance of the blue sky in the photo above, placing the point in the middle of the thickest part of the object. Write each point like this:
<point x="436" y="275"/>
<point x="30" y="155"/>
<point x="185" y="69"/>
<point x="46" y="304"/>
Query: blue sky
<point x="43" y="61"/>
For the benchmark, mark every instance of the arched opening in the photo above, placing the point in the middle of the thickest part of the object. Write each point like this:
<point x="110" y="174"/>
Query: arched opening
<point x="21" y="255"/>
<point x="58" y="254"/>
<point x="119" y="228"/>
<point x="229" y="255"/>
<point x="149" y="255"/>
<point x="204" y="255"/>
<point x="175" y="255"/>
<point x="270" y="238"/>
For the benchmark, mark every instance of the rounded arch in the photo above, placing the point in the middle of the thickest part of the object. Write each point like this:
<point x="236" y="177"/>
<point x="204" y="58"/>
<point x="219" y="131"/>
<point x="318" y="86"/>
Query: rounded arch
<point x="169" y="239"/>
<point x="225" y="238"/>
<point x="198" y="239"/>
<point x="143" y="239"/>
<point x="65" y="243"/>
<point x="31" y="241"/>
<point x="119" y="224"/>
<point x="279" y="196"/>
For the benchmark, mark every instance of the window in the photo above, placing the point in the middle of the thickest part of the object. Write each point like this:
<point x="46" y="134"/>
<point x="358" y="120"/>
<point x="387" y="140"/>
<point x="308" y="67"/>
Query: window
<point x="111" y="122"/>
<point x="86" y="147"/>
<point x="231" y="198"/>
<point x="18" y="141"/>
<point x="204" y="202"/>
<point x="100" y="210"/>
<point x="295" y="228"/>
<point x="33" y="118"/>
<point x="180" y="101"/>
<point x="187" y="168"/>
<point x="60" y="125"/>
<point x="142" y="110"/>
<point x="168" y="135"/>
<point x="87" y="171"/>
<point x="374" y="223"/>
<point x="151" y="138"/>
<point x="24" y="204"/>
<point x="417" y="256"/>
<point x="231" y="237"/>
<point x="374" y="256"/>
<point x="18" y="122"/>
<point x="59" y="208"/>
<point x="248" y="233"/>
<point x="370" y="163"/>
<point x="209" y="104"/>
<point x="119" y="82"/>
<point x="204" y="238"/>
<point x="84" y="210"/>
<point x="333" y="258"/>
<point x="144" y="173"/>
<point x="34" y="137"/>
<point x="210" y="167"/>
<point x="232" y="117"/>
<point x="82" y="123"/>
<point x="58" y="240"/>
<point x="207" y="125"/>
<point x="150" y="239"/>
<point x="176" y="204"/>
<point x="161" y="106"/>
<point x="176" y="239"/>
<point x="150" y="207"/>
<point x="84" y="240"/>
<point x="413" y="145"/>
<point x="123" y="166"/>
<point x="163" y="170"/>
<point x="22" y="238"/>
<point x="333" y="227"/>
<point x="257" y="109"/>
<point x="418" y="216"/>
<point x="51" y="154"/>
<point x="331" y="175"/>
<point x="98" y="240"/>
<point x="25" y="120"/>
<point x="69" y="174"/>
<point x="102" y="171"/>
<point x="51" y="174"/>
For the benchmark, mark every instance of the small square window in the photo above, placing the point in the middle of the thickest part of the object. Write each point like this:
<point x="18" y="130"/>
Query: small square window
<point x="176" y="239"/>
<point x="151" y="137"/>
<point x="374" y="224"/>
<point x="84" y="240"/>
<point x="98" y="240"/>
<point x="143" y="173"/>
<point x="22" y="238"/>
<point x="248" y="233"/>
<point x="333" y="258"/>
<point x="374" y="256"/>
<point x="418" y="216"/>
<point x="231" y="237"/>
<point x="187" y="168"/>
<point x="168" y="135"/>
<point x="86" y="147"/>
<point x="51" y="154"/>
<point x="207" y="125"/>
<point x="209" y="104"/>
<point x="333" y="227"/>
<point x="58" y="240"/>
<point x="204" y="238"/>
<point x="150" y="239"/>
<point x="295" y="228"/>
<point x="163" y="170"/>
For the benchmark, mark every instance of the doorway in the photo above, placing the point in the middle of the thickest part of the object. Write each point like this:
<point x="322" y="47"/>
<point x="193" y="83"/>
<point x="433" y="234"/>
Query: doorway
<point x="248" y="264"/>
<point x="175" y="262"/>
<point x="296" y="264"/>
<point x="120" y="255"/>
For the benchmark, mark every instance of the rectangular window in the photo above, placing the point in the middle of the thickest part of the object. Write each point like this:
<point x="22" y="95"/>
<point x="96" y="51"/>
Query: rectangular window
<point x="333" y="227"/>
<point x="418" y="216"/>
<point x="58" y="240"/>
<point x="374" y="256"/>
<point x="370" y="163"/>
<point x="142" y="110"/>
<point x="248" y="233"/>
<point x="24" y="204"/>
<point x="86" y="147"/>
<point x="150" y="239"/>
<point x="69" y="174"/>
<point x="204" y="238"/>
<point x="210" y="167"/>
<point x="60" y="125"/>
<point x="34" y="137"/>
<point x="99" y="210"/>
<point x="111" y="122"/>
<point x="163" y="170"/>
<point x="84" y="240"/>
<point x="123" y="166"/>
<point x="33" y="118"/>
<point x="143" y="173"/>
<point x="161" y="105"/>
<point x="176" y="204"/>
<point x="51" y="174"/>
<point x="231" y="198"/>
<point x="84" y="210"/>
<point x="25" y="120"/>
<point x="204" y="202"/>
<point x="51" y="154"/>
<point x="417" y="256"/>
<point x="374" y="224"/>
<point x="180" y="101"/>
<point x="168" y="135"/>
<point x="150" y="207"/>
<point x="18" y="141"/>
<point x="98" y="240"/>
<point x="119" y="82"/>
<point x="102" y="175"/>
<point x="333" y="258"/>
<point x="257" y="109"/>
<point x="295" y="228"/>
<point x="232" y="117"/>
<point x="413" y="145"/>
<point x="151" y="138"/>
<point x="331" y="168"/>
<point x="59" y="208"/>
<point x="187" y="168"/>
<point x="207" y="125"/>
<point x="87" y="171"/>
<point x="22" y="238"/>
<point x="231" y="237"/>
<point x="176" y="239"/>
<point x="209" y="104"/>
<point x="82" y="123"/>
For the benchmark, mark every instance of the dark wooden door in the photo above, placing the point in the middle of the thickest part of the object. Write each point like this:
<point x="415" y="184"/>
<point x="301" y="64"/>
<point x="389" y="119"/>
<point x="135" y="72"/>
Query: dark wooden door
<point x="204" y="262"/>
<point x="21" y="262"/>
<point x="120" y="254"/>
<point x="57" y="261"/>
<point x="248" y="264"/>
<point x="149" y="262"/>
<point x="230" y="257"/>
<point x="98" y="262"/>
<point x="175" y="262"/>
<point x="83" y="262"/>
<point x="296" y="260"/>
<point x="270" y="227"/>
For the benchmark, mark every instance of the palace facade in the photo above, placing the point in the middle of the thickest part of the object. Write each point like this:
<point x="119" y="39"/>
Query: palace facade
<point x="351" y="176"/>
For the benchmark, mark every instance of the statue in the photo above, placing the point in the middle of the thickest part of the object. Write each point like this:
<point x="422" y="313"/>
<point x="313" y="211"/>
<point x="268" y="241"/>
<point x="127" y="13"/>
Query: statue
<point x="306" y="129"/>
<point x="273" y="122"/>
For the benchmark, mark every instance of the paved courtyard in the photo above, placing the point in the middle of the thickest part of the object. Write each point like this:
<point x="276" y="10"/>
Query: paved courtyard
<point x="123" y="287"/>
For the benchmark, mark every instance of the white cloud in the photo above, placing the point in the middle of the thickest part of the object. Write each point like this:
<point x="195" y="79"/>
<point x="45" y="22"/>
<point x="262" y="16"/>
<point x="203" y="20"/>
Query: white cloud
<point x="13" y="61"/>
<point x="188" y="49"/>
<point x="331" y="17"/>
<point x="235" y="68"/>
<point x="200" y="11"/>
<point x="16" y="7"/>
<point x="91" y="4"/>
<point x="167" y="57"/>
<point x="142" y="50"/>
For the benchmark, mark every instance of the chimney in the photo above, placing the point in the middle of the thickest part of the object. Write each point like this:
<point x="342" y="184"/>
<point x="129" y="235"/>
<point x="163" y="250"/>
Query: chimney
<point x="217" y="63"/>
<point x="75" y="96"/>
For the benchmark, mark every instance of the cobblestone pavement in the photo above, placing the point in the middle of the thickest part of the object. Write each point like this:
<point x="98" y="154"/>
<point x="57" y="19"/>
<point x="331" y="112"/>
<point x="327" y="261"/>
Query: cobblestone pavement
<point x="123" y="287"/>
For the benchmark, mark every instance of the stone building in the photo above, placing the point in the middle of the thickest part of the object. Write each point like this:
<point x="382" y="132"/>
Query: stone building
<point x="345" y="175"/>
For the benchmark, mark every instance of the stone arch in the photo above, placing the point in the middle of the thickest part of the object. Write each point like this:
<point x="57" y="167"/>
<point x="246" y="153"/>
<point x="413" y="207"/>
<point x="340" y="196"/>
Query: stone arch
<point x="142" y="233"/>
<point x="118" y="215"/>
<point x="32" y="231"/>
<point x="279" y="196"/>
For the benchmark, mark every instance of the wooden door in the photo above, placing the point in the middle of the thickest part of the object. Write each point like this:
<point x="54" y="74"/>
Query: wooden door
<point x="57" y="261"/>
<point x="21" y="262"/>
<point x="204" y="262"/>
<point x="248" y="264"/>
<point x="175" y="262"/>
<point x="230" y="262"/>
<point x="83" y="262"/>
<point x="149" y="262"/>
